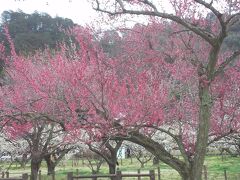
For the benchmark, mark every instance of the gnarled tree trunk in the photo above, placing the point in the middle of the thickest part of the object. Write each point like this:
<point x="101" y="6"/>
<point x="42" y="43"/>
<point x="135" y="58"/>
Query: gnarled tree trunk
<point x="35" y="166"/>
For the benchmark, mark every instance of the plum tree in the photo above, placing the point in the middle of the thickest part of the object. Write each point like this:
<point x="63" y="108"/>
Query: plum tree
<point x="190" y="15"/>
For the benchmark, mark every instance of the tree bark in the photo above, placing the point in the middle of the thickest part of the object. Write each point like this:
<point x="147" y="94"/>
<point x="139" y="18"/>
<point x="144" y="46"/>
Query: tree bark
<point x="50" y="165"/>
<point x="158" y="150"/>
<point x="35" y="166"/>
<point x="112" y="167"/>
<point x="112" y="163"/>
<point x="203" y="130"/>
<point x="112" y="170"/>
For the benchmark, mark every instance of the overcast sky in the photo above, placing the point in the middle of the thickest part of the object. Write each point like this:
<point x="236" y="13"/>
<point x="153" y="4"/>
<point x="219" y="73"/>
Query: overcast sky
<point x="80" y="11"/>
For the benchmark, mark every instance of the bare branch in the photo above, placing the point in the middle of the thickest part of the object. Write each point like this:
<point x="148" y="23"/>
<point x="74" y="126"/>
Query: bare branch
<point x="214" y="10"/>
<point x="227" y="62"/>
<point x="208" y="36"/>
<point x="217" y="138"/>
<point x="194" y="60"/>
<point x="121" y="4"/>
<point x="151" y="5"/>
<point x="231" y="18"/>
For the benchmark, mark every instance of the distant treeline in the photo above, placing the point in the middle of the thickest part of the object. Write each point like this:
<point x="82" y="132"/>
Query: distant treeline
<point x="31" y="32"/>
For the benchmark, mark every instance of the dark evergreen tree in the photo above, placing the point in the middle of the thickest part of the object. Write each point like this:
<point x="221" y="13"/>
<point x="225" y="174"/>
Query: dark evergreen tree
<point x="31" y="32"/>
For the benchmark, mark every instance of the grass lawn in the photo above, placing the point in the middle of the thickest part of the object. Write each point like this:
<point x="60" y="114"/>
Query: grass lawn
<point x="215" y="167"/>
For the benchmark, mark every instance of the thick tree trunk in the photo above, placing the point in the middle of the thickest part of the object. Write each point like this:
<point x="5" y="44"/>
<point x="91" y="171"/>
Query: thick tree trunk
<point x="188" y="177"/>
<point x="51" y="169"/>
<point x="188" y="174"/>
<point x="35" y="166"/>
<point x="202" y="136"/>
<point x="112" y="164"/>
<point x="50" y="165"/>
<point x="112" y="169"/>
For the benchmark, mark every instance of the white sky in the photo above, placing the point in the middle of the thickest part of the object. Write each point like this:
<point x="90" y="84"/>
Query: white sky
<point x="80" y="11"/>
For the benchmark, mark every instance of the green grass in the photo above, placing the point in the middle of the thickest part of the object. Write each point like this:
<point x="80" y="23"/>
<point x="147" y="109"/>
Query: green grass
<point x="215" y="167"/>
<point x="216" y="163"/>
